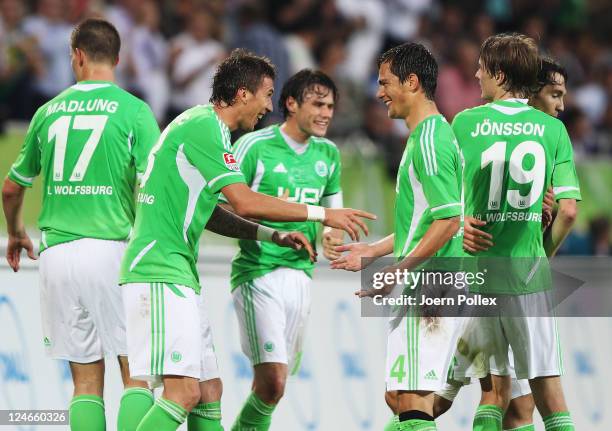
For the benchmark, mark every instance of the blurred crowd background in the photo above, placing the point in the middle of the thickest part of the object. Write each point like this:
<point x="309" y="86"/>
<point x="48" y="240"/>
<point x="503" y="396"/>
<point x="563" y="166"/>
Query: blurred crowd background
<point x="170" y="49"/>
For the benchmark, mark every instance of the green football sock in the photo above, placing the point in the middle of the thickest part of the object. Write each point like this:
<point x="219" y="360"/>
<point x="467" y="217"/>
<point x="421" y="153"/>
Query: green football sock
<point x="488" y="418"/>
<point x="205" y="417"/>
<point x="560" y="421"/>
<point x="417" y="425"/>
<point x="528" y="427"/>
<point x="255" y="415"/>
<point x="87" y="413"/>
<point x="134" y="405"/>
<point x="392" y="425"/>
<point x="165" y="415"/>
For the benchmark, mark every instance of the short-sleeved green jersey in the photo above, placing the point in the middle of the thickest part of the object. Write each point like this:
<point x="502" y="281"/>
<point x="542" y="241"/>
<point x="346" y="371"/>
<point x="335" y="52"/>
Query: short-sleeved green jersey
<point x="186" y="170"/>
<point x="513" y="152"/>
<point x="428" y="186"/>
<point x="272" y="167"/>
<point x="89" y="142"/>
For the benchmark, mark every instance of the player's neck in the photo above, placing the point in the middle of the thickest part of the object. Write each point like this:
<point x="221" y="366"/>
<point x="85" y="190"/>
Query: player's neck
<point x="502" y="94"/>
<point x="291" y="129"/>
<point x="419" y="112"/>
<point x="227" y="114"/>
<point x="96" y="73"/>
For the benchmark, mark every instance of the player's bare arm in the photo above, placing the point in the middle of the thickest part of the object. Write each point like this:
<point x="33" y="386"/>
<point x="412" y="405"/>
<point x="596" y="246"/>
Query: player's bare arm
<point x="561" y="226"/>
<point x="360" y="255"/>
<point x="12" y="203"/>
<point x="439" y="233"/>
<point x="248" y="203"/>
<point x="226" y="223"/>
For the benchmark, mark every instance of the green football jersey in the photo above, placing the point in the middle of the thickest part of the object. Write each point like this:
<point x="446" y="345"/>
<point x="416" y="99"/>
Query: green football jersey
<point x="89" y="142"/>
<point x="428" y="186"/>
<point x="513" y="153"/>
<point x="272" y="167"/>
<point x="186" y="170"/>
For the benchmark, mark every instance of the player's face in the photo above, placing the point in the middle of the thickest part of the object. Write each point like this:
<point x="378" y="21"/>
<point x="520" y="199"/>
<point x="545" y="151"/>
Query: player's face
<point x="550" y="97"/>
<point x="258" y="104"/>
<point x="314" y="115"/>
<point x="392" y="92"/>
<point x="488" y="85"/>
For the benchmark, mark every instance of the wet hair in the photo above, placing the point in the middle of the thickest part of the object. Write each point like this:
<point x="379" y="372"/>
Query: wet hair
<point x="546" y="75"/>
<point x="302" y="83"/>
<point x="413" y="59"/>
<point x="242" y="69"/>
<point x="516" y="56"/>
<point x="98" y="39"/>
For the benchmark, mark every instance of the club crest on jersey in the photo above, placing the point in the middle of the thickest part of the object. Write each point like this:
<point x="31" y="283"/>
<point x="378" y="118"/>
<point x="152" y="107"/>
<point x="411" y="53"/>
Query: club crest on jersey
<point x="321" y="168"/>
<point x="231" y="162"/>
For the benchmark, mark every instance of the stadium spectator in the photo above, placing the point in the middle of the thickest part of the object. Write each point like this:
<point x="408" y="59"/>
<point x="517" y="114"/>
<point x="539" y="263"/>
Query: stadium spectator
<point x="193" y="57"/>
<point x="52" y="34"/>
<point x="457" y="88"/>
<point x="599" y="236"/>
<point x="19" y="61"/>
<point x="150" y="59"/>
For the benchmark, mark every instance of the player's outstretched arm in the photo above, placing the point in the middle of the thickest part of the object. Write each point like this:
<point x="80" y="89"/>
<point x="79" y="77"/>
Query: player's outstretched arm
<point x="561" y="226"/>
<point x="360" y="255"/>
<point x="12" y="203"/>
<point x="248" y="203"/>
<point x="226" y="223"/>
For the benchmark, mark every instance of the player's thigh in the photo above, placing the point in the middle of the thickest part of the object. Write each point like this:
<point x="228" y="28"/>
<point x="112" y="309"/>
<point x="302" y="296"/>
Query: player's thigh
<point x="101" y="292"/>
<point x="261" y="320"/>
<point x="69" y="330"/>
<point x="163" y="331"/>
<point x="419" y="353"/>
<point x="296" y="290"/>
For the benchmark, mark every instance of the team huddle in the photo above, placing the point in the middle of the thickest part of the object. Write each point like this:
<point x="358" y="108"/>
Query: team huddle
<point x="124" y="207"/>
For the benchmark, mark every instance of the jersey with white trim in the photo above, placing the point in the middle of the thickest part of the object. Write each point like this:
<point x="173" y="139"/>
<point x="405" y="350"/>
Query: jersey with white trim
<point x="186" y="170"/>
<point x="513" y="153"/>
<point x="272" y="167"/>
<point x="428" y="186"/>
<point x="89" y="143"/>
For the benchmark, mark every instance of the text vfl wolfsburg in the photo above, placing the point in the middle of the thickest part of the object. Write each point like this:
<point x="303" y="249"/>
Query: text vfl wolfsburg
<point x="80" y="190"/>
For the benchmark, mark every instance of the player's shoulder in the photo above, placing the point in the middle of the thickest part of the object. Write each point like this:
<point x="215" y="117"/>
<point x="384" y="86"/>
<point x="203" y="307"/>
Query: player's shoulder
<point x="470" y="113"/>
<point x="252" y="141"/>
<point x="325" y="145"/>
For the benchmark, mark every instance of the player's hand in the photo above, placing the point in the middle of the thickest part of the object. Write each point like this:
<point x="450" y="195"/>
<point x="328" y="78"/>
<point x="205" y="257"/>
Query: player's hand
<point x="15" y="244"/>
<point x="348" y="219"/>
<point x="384" y="290"/>
<point x="329" y="241"/>
<point x="475" y="239"/>
<point x="357" y="257"/>
<point x="296" y="241"/>
<point x="547" y="207"/>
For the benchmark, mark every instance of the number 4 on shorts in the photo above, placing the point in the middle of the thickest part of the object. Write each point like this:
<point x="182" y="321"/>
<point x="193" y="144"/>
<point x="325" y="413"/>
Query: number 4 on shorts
<point x="398" y="370"/>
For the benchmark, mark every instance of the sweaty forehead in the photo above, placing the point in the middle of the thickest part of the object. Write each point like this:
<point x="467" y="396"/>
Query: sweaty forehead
<point x="384" y="72"/>
<point x="267" y="84"/>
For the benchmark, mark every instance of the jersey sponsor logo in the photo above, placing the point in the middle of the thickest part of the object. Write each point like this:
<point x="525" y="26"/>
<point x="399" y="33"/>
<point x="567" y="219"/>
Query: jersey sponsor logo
<point x="302" y="195"/>
<point x="280" y="169"/>
<point x="231" y="162"/>
<point x="321" y="168"/>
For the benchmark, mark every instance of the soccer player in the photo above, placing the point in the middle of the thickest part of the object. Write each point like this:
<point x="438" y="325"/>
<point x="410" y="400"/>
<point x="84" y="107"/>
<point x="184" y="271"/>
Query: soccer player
<point x="169" y="338"/>
<point x="427" y="217"/>
<point x="512" y="153"/>
<point x="270" y="285"/>
<point x="548" y="98"/>
<point x="89" y="142"/>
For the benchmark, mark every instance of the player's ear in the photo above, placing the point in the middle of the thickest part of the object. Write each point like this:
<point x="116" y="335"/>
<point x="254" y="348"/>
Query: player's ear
<point x="242" y="95"/>
<point x="412" y="82"/>
<point x="291" y="105"/>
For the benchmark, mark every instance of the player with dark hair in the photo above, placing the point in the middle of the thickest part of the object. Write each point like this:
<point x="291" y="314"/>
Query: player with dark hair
<point x="89" y="143"/>
<point x="427" y="218"/>
<point x="171" y="341"/>
<point x="552" y="81"/>
<point x="497" y="139"/>
<point x="270" y="285"/>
